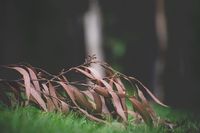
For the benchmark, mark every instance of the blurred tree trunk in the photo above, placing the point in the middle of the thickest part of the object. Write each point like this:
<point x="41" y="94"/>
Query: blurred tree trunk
<point x="161" y="29"/>
<point x="93" y="33"/>
<point x="181" y="85"/>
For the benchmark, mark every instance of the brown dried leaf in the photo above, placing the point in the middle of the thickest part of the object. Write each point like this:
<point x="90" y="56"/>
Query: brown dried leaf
<point x="69" y="90"/>
<point x="83" y="72"/>
<point x="140" y="108"/>
<point x="53" y="95"/>
<point x="74" y="95"/>
<point x="154" y="98"/>
<point x="93" y="72"/>
<point x="50" y="104"/>
<point x="149" y="92"/>
<point x="146" y="103"/>
<point x="102" y="91"/>
<point x="121" y="94"/>
<point x="116" y="100"/>
<point x="81" y="99"/>
<point x="64" y="107"/>
<point x="97" y="101"/>
<point x="118" y="80"/>
<point x="38" y="98"/>
<point x="26" y="78"/>
<point x="34" y="79"/>
<point x="104" y="107"/>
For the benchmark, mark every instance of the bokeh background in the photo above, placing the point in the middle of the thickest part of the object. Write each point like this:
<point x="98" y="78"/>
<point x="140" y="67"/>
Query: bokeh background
<point x="157" y="41"/>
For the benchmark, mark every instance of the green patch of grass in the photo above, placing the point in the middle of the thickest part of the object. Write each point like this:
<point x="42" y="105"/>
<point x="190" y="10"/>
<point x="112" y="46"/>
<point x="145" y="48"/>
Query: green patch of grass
<point x="186" y="122"/>
<point x="32" y="120"/>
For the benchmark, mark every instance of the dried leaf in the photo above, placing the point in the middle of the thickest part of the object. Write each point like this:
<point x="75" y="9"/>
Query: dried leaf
<point x="97" y="101"/>
<point x="38" y="98"/>
<point x="34" y="79"/>
<point x="53" y="95"/>
<point x="102" y="91"/>
<point x="81" y="99"/>
<point x="149" y="92"/>
<point x="84" y="73"/>
<point x="122" y="95"/>
<point x="116" y="101"/>
<point x="50" y="104"/>
<point x="64" y="107"/>
<point x="118" y="80"/>
<point x="140" y="108"/>
<point x="26" y="78"/>
<point x="93" y="72"/>
<point x="74" y="95"/>
<point x="69" y="90"/>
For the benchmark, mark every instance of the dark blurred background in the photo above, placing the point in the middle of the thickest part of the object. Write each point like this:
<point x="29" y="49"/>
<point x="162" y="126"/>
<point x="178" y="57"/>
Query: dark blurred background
<point x="157" y="41"/>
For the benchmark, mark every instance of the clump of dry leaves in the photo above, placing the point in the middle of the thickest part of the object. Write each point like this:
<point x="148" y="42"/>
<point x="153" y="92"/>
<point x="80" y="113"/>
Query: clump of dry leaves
<point x="95" y="97"/>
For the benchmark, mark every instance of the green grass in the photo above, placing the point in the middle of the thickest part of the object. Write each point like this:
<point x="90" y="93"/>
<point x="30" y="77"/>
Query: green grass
<point x="32" y="120"/>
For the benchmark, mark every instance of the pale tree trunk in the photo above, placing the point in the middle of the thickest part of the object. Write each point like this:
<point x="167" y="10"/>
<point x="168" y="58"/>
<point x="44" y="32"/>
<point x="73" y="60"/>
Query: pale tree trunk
<point x="161" y="30"/>
<point x="93" y="33"/>
<point x="93" y="37"/>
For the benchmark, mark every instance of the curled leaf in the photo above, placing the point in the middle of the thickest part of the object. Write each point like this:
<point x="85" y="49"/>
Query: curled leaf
<point x="26" y="77"/>
<point x="140" y="108"/>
